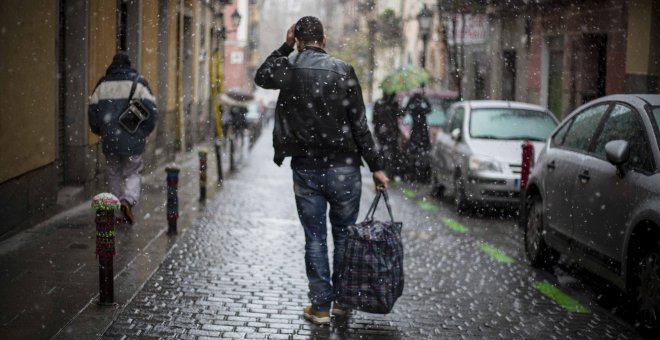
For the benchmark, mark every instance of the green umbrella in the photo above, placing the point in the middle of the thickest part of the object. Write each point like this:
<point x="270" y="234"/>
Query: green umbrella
<point x="404" y="78"/>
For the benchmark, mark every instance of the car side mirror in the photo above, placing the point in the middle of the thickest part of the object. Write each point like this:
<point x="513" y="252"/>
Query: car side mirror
<point x="456" y="134"/>
<point x="618" y="153"/>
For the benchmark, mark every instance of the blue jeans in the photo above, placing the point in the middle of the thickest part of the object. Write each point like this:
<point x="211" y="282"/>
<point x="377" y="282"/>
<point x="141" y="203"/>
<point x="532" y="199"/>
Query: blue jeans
<point x="341" y="188"/>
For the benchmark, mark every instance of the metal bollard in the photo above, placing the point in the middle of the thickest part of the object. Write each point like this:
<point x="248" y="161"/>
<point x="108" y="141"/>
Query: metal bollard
<point x="105" y="205"/>
<point x="203" y="157"/>
<point x="527" y="164"/>
<point x="232" y="150"/>
<point x="172" y="199"/>
<point x="218" y="160"/>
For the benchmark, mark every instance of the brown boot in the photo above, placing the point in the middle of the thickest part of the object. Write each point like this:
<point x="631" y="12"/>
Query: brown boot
<point x="127" y="212"/>
<point x="316" y="316"/>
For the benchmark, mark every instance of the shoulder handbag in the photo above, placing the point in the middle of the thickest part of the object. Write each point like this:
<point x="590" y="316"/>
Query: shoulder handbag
<point x="371" y="275"/>
<point x="135" y="113"/>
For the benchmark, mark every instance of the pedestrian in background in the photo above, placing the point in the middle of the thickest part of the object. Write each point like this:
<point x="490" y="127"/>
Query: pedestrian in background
<point x="419" y="145"/>
<point x="122" y="147"/>
<point x="386" y="128"/>
<point x="320" y="123"/>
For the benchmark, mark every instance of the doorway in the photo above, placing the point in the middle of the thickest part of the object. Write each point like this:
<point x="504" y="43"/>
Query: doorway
<point x="554" y="75"/>
<point x="509" y="75"/>
<point x="594" y="66"/>
<point x="187" y="82"/>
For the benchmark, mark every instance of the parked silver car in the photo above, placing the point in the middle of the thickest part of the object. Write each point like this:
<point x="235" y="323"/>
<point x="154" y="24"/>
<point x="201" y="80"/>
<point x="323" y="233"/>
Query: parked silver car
<point x="477" y="155"/>
<point x="594" y="195"/>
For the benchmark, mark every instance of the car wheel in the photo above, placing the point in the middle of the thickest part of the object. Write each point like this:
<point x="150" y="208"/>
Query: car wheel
<point x="436" y="188"/>
<point x="646" y="290"/>
<point x="460" y="198"/>
<point x="538" y="252"/>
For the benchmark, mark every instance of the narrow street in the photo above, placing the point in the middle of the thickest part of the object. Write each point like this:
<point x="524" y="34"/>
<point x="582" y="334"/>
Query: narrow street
<point x="162" y="113"/>
<point x="238" y="273"/>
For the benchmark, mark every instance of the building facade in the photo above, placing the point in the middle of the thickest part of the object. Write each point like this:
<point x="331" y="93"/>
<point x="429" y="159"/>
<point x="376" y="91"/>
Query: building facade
<point x="559" y="54"/>
<point x="236" y="47"/>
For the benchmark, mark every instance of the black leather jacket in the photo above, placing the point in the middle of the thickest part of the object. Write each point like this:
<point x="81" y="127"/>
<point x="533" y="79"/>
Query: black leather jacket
<point x="319" y="110"/>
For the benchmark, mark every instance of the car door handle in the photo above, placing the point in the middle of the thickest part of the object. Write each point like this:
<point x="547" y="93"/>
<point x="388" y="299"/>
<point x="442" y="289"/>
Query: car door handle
<point x="551" y="165"/>
<point x="584" y="176"/>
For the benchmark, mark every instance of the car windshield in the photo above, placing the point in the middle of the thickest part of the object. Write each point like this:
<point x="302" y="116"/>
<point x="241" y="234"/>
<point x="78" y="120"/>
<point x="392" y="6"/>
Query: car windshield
<point x="656" y="116"/>
<point x="253" y="111"/>
<point x="438" y="115"/>
<point x="511" y="124"/>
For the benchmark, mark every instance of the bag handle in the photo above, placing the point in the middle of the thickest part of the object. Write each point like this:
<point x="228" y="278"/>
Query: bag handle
<point x="387" y="204"/>
<point x="374" y="204"/>
<point x="372" y="208"/>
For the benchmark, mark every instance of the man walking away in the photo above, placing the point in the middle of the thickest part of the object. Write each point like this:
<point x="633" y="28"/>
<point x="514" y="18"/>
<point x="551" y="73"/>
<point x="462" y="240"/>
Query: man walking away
<point x="122" y="148"/>
<point x="320" y="123"/>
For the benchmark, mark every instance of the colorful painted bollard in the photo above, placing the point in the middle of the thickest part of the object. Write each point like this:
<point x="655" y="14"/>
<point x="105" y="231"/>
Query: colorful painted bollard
<point x="105" y="205"/>
<point x="527" y="163"/>
<point x="172" y="199"/>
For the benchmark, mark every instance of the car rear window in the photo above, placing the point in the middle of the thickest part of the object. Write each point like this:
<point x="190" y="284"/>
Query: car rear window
<point x="511" y="124"/>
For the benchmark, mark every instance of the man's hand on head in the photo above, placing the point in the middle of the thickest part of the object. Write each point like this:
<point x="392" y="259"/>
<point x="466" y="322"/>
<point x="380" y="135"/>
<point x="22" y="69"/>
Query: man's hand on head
<point x="380" y="179"/>
<point x="290" y="38"/>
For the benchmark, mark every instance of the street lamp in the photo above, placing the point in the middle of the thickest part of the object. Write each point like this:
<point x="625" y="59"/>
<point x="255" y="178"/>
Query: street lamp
<point x="425" y="19"/>
<point x="235" y="21"/>
<point x="235" y="18"/>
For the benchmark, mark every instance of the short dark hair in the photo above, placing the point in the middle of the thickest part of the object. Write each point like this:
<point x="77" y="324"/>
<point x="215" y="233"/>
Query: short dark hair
<point x="121" y="59"/>
<point x="309" y="30"/>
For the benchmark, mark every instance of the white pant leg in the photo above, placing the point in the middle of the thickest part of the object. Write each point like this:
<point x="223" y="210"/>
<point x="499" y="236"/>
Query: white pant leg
<point x="113" y="171"/>
<point x="132" y="170"/>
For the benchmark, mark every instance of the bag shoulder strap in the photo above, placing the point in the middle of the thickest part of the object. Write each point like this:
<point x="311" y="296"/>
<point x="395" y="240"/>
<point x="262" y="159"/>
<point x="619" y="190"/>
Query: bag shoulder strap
<point x="133" y="86"/>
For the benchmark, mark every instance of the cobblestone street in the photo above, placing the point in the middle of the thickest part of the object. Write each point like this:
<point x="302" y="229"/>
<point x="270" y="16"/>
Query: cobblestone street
<point x="238" y="272"/>
<point x="140" y="196"/>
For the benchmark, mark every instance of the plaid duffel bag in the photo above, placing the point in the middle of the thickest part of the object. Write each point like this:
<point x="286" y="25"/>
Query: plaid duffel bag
<point x="371" y="277"/>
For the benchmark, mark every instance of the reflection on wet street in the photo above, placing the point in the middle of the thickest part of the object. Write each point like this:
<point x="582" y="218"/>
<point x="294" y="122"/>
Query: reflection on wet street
<point x="238" y="272"/>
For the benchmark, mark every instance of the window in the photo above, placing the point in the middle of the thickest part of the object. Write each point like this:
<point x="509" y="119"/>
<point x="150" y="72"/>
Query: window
<point x="656" y="117"/>
<point x="509" y="75"/>
<point x="437" y="117"/>
<point x="457" y="119"/>
<point x="558" y="138"/>
<point x="623" y="123"/>
<point x="584" y="126"/>
<point x="511" y="124"/>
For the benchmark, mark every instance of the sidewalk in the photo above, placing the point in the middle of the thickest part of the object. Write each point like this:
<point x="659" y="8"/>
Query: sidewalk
<point x="49" y="273"/>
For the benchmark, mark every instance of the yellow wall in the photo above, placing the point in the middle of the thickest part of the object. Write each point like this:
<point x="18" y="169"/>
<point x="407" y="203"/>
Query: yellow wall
<point x="195" y="63"/>
<point x="638" y="54"/>
<point x="102" y="43"/>
<point x="149" y="43"/>
<point x="28" y="86"/>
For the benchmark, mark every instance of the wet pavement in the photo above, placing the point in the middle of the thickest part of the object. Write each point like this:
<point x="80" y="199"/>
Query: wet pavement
<point x="238" y="273"/>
